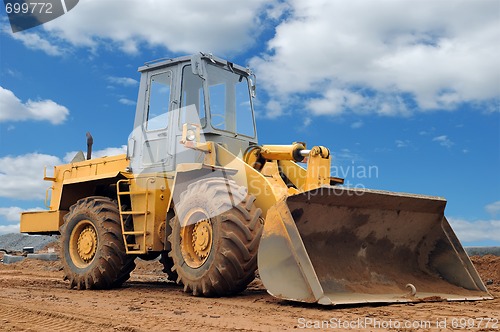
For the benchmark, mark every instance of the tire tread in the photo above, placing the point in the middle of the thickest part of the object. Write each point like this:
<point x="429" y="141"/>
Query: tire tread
<point x="111" y="266"/>
<point x="235" y="262"/>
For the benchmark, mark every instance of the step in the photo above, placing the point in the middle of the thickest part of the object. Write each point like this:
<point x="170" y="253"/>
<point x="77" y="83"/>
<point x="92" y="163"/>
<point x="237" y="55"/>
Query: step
<point x="135" y="212"/>
<point x="134" y="233"/>
<point x="139" y="192"/>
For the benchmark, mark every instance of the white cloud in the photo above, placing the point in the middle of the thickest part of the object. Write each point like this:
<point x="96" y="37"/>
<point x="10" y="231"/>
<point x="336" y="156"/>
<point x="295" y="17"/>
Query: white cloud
<point x="401" y="143"/>
<point x="12" y="109"/>
<point x="21" y="176"/>
<point x="493" y="208"/>
<point x="124" y="81"/>
<point x="274" y="109"/>
<point x="434" y="56"/>
<point x="6" y="229"/>
<point x="13" y="213"/>
<point x="478" y="230"/>
<point x="110" y="151"/>
<point x="14" y="73"/>
<point x="343" y="156"/>
<point x="179" y="26"/>
<point x="357" y="124"/>
<point x="126" y="101"/>
<point x="277" y="10"/>
<point x="35" y="42"/>
<point x="443" y="140"/>
<point x="307" y="122"/>
<point x="335" y="101"/>
<point x="107" y="152"/>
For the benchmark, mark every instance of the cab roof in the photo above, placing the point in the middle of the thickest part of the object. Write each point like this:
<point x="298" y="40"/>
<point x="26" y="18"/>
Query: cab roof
<point x="166" y="62"/>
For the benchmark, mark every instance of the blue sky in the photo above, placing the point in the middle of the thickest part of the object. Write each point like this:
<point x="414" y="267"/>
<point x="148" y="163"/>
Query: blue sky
<point x="409" y="90"/>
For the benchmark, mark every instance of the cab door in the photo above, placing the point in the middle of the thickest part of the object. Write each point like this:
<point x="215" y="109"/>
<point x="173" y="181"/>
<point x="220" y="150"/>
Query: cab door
<point x="151" y="139"/>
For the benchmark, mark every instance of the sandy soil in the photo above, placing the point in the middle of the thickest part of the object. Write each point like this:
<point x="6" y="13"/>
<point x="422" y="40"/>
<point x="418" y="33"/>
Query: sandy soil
<point x="33" y="297"/>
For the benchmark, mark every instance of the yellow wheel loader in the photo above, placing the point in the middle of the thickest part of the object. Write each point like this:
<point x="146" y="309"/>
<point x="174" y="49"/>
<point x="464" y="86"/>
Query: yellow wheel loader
<point x="196" y="189"/>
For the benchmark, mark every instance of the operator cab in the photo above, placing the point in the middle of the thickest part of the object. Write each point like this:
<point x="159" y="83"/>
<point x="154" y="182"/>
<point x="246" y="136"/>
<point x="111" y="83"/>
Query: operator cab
<point x="201" y="91"/>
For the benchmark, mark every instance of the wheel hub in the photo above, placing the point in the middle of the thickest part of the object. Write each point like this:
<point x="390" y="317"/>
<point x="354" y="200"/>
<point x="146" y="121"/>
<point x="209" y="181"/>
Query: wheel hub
<point x="202" y="238"/>
<point x="87" y="244"/>
<point x="196" y="238"/>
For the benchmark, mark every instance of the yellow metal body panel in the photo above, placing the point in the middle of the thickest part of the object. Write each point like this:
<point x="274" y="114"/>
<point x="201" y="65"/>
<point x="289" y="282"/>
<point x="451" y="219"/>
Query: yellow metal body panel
<point x="150" y="195"/>
<point x="318" y="169"/>
<point x="69" y="175"/>
<point x="96" y="167"/>
<point x="84" y="171"/>
<point x="42" y="221"/>
<point x="257" y="184"/>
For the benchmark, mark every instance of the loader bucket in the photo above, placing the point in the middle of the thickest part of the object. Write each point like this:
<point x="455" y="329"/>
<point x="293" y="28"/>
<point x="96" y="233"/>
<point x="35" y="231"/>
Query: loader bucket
<point x="340" y="246"/>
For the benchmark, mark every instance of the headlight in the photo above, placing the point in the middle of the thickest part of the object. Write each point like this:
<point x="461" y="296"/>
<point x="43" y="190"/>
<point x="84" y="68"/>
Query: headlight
<point x="190" y="135"/>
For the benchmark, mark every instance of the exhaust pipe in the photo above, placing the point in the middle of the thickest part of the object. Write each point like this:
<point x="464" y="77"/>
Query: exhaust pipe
<point x="90" y="141"/>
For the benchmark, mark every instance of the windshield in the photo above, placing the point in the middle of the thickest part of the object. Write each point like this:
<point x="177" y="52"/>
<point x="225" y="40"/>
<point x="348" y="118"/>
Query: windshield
<point x="230" y="101"/>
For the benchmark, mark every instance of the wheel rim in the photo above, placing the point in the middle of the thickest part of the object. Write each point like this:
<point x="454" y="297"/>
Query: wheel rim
<point x="83" y="243"/>
<point x="196" y="238"/>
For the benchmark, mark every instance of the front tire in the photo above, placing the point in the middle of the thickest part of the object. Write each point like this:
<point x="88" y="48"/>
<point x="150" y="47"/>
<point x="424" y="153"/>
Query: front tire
<point x="94" y="255"/>
<point x="215" y="237"/>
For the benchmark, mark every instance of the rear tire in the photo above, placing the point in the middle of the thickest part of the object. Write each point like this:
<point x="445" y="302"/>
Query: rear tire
<point x="168" y="265"/>
<point x="92" y="243"/>
<point x="215" y="255"/>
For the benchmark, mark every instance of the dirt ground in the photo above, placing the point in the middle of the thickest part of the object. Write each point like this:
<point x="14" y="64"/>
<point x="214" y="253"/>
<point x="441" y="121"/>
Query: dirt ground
<point x="33" y="297"/>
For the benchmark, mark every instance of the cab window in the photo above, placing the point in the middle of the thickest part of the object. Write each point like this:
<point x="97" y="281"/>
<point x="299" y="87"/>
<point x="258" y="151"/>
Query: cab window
<point x="230" y="101"/>
<point x="159" y="101"/>
<point x="193" y="98"/>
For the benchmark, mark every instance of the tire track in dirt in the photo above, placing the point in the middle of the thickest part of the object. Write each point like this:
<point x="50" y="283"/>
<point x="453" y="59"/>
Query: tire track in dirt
<point x="17" y="318"/>
<point x="33" y="297"/>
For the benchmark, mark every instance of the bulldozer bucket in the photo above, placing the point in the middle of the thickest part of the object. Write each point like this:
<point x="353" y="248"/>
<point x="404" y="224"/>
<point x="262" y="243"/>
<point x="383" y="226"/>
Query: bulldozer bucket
<point x="340" y="246"/>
